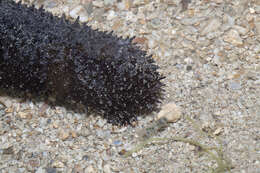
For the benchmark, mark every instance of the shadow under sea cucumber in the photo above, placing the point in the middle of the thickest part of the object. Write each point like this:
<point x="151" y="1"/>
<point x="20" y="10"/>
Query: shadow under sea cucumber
<point x="46" y="55"/>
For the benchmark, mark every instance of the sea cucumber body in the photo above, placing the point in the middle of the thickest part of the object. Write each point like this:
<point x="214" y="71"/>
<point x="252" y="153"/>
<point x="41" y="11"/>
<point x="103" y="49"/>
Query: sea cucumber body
<point x="47" y="55"/>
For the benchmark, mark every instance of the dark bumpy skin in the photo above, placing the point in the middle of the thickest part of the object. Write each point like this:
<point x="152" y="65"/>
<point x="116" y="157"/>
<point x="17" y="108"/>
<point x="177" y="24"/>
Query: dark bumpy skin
<point x="46" y="55"/>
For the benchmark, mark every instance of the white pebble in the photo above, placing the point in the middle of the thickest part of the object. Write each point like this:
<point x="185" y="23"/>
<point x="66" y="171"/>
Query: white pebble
<point x="111" y="15"/>
<point x="75" y="12"/>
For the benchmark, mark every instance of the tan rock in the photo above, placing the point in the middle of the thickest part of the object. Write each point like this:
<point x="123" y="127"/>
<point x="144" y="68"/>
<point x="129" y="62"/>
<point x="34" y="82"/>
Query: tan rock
<point x="74" y="134"/>
<point x="25" y="114"/>
<point x="63" y="135"/>
<point x="55" y="124"/>
<point x="171" y="112"/>
<point x="241" y="30"/>
<point x="212" y="25"/>
<point x="233" y="37"/>
<point x="218" y="131"/>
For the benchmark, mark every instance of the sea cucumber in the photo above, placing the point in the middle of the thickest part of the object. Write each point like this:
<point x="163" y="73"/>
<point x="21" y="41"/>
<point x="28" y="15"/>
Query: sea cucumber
<point x="46" y="55"/>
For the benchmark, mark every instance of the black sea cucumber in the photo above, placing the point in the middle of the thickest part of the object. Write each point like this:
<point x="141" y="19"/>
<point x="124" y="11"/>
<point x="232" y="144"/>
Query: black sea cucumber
<point x="47" y="55"/>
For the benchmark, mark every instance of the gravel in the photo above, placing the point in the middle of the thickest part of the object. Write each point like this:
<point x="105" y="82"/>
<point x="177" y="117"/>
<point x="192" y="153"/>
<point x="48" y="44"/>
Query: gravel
<point x="209" y="52"/>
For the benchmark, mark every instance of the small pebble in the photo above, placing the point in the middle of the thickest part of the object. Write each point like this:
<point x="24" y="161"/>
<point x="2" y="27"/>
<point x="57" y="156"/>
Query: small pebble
<point x="257" y="26"/>
<point x="212" y="25"/>
<point x="40" y="170"/>
<point x="218" y="1"/>
<point x="134" y="155"/>
<point x="111" y="15"/>
<point x="235" y="85"/>
<point x="99" y="4"/>
<point x="85" y="157"/>
<point x="64" y="134"/>
<point x="25" y="114"/>
<point x="171" y="112"/>
<point x="50" y="4"/>
<point x="77" y="168"/>
<point x="218" y="131"/>
<point x="107" y="168"/>
<point x="233" y="37"/>
<point x="58" y="164"/>
<point x="51" y="170"/>
<point x="90" y="169"/>
<point x="117" y="142"/>
<point x="241" y="30"/>
<point x="89" y="8"/>
<point x="8" y="151"/>
<point x="109" y="2"/>
<point x="6" y="101"/>
<point x="74" y="13"/>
